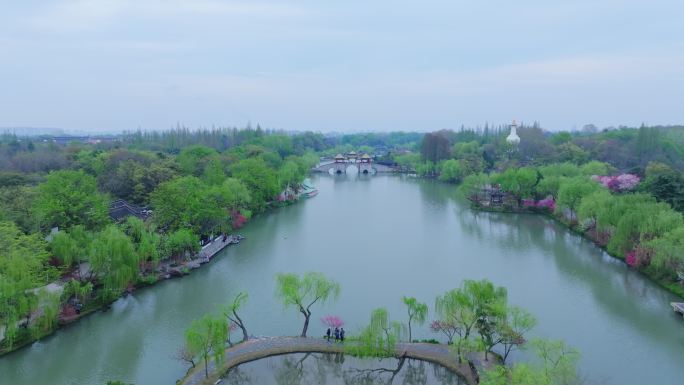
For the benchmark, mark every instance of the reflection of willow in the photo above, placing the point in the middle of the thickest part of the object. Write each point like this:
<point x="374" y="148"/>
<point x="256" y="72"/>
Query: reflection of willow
<point x="292" y="370"/>
<point x="415" y="373"/>
<point x="445" y="377"/>
<point x="324" y="368"/>
<point x="471" y="222"/>
<point x="519" y="232"/>
<point x="373" y="376"/>
<point x="238" y="377"/>
<point x="435" y="193"/>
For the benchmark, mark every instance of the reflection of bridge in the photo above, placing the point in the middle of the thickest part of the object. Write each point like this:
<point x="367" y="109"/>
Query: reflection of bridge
<point x="363" y="165"/>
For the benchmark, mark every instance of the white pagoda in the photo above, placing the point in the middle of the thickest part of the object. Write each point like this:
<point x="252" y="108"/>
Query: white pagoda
<point x="513" y="137"/>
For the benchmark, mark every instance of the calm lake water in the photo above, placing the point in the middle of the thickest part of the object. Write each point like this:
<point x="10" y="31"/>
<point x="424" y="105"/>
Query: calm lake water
<point x="338" y="369"/>
<point x="381" y="237"/>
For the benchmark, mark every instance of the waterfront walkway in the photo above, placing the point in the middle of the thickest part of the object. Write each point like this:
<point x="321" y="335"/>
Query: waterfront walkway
<point x="259" y="348"/>
<point x="219" y="243"/>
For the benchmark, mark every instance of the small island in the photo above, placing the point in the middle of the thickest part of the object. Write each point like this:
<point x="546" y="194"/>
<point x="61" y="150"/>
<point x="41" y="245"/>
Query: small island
<point x="480" y="327"/>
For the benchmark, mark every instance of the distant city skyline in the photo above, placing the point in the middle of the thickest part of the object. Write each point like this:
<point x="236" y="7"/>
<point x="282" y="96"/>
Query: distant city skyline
<point x="87" y="66"/>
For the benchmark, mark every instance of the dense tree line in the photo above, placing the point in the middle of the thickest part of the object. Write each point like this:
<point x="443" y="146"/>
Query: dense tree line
<point x="221" y="139"/>
<point x="453" y="155"/>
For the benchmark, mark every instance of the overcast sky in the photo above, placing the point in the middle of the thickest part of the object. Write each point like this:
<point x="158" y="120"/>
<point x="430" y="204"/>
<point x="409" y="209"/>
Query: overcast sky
<point x="340" y="66"/>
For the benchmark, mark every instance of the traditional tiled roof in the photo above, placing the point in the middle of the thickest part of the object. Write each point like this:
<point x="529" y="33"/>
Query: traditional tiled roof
<point x="120" y="210"/>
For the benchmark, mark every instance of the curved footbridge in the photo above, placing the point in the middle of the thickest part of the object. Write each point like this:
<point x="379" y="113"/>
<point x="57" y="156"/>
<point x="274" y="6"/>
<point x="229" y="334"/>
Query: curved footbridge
<point x="259" y="348"/>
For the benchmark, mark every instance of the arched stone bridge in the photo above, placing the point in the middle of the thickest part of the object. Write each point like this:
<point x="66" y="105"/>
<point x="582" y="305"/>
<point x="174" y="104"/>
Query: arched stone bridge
<point x="362" y="168"/>
<point x="256" y="349"/>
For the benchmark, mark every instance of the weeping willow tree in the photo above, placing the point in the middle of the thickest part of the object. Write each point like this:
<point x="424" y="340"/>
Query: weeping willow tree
<point x="81" y="291"/>
<point x="48" y="310"/>
<point x="114" y="259"/>
<point x="146" y="240"/>
<point x="23" y="266"/>
<point x="474" y="307"/>
<point x="71" y="247"/>
<point x="472" y="186"/>
<point x="206" y="338"/>
<point x="556" y="364"/>
<point x="668" y="254"/>
<point x="230" y="311"/>
<point x="302" y="293"/>
<point x="379" y="338"/>
<point x="417" y="311"/>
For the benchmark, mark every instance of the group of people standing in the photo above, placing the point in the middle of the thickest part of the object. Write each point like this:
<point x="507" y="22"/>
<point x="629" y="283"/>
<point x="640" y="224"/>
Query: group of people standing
<point x="338" y="334"/>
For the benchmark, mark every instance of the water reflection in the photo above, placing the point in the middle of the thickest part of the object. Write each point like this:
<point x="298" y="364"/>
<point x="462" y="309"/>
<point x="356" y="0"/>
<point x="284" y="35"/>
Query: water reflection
<point x="338" y="369"/>
<point x="573" y="256"/>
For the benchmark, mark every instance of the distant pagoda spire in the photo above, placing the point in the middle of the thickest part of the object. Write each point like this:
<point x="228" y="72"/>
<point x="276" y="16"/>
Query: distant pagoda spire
<point x="513" y="137"/>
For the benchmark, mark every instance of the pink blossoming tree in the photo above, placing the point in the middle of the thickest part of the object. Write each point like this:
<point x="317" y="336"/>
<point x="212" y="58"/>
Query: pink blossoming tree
<point x="449" y="329"/>
<point x="618" y="183"/>
<point x="547" y="203"/>
<point x="238" y="219"/>
<point x="332" y="321"/>
<point x="631" y="258"/>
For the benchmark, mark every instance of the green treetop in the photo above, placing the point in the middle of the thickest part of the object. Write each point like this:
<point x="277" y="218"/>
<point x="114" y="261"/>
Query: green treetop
<point x="68" y="198"/>
<point x="303" y="292"/>
<point x="206" y="337"/>
<point x="417" y="311"/>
